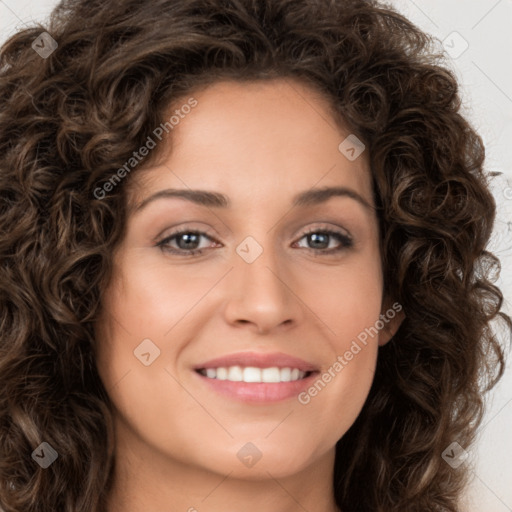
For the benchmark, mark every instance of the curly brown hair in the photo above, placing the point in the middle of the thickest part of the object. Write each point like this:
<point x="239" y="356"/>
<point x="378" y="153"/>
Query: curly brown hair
<point x="69" y="120"/>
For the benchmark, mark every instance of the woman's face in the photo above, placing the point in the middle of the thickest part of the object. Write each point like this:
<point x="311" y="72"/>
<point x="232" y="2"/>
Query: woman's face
<point x="280" y="282"/>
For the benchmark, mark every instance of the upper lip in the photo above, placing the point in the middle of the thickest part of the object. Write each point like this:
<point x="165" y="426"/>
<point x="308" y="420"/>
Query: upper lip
<point x="258" y="360"/>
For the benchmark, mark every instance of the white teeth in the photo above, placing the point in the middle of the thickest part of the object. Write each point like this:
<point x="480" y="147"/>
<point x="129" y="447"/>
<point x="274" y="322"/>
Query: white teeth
<point x="222" y="374"/>
<point x="252" y="374"/>
<point x="270" y="375"/>
<point x="285" y="375"/>
<point x="235" y="373"/>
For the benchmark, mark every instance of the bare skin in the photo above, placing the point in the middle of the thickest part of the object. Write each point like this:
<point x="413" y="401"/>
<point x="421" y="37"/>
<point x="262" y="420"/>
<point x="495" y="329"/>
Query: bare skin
<point x="178" y="439"/>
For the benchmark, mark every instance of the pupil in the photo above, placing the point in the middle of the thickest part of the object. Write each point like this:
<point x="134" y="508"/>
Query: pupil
<point x="314" y="238"/>
<point x="187" y="238"/>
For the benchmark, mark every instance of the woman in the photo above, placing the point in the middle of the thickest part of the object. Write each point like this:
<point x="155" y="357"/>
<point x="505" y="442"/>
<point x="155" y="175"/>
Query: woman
<point x="244" y="261"/>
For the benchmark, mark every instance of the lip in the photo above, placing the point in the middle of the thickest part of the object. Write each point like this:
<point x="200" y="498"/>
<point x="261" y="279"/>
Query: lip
<point x="259" y="360"/>
<point x="258" y="392"/>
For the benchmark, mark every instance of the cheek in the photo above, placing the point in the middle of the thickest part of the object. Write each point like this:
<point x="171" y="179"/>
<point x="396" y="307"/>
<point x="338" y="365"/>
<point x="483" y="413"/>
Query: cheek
<point x="152" y="296"/>
<point x="145" y="301"/>
<point x="339" y="392"/>
<point x="348" y="301"/>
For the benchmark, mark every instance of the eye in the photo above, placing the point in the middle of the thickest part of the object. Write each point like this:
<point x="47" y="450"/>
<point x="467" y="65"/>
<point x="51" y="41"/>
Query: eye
<point x="320" y="240"/>
<point x="187" y="242"/>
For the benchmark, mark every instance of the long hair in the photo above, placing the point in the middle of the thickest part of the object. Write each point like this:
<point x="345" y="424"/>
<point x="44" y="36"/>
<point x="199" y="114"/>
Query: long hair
<point x="78" y="100"/>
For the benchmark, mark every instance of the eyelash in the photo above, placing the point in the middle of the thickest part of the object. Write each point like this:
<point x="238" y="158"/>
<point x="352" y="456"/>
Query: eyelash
<point x="345" y="240"/>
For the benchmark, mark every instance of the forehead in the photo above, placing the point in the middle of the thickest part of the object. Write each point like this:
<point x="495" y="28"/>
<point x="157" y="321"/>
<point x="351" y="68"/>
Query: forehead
<point x="250" y="137"/>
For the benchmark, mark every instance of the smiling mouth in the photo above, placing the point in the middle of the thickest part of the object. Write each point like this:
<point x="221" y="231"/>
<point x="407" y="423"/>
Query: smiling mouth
<point x="252" y="374"/>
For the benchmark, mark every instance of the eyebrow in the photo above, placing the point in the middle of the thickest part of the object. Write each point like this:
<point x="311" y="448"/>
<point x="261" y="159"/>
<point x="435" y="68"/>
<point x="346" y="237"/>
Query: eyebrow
<point x="209" y="199"/>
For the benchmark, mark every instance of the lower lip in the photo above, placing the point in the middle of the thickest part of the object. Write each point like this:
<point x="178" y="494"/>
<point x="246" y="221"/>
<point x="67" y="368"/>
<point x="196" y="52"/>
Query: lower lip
<point x="260" y="392"/>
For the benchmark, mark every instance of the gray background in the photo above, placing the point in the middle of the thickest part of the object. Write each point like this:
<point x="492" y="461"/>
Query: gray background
<point x="477" y="36"/>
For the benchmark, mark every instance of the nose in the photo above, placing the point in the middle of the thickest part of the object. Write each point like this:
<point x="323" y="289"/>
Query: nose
<point x="261" y="294"/>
